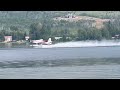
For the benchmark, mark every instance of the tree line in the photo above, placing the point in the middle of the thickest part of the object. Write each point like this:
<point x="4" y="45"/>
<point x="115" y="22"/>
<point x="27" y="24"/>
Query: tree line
<point x="67" y="30"/>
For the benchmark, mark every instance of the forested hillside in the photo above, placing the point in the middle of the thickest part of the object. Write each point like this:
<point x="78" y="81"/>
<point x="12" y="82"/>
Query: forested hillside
<point x="84" y="25"/>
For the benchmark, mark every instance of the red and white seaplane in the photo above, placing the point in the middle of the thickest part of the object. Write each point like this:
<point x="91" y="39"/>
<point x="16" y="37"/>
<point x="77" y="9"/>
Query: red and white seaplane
<point x="41" y="43"/>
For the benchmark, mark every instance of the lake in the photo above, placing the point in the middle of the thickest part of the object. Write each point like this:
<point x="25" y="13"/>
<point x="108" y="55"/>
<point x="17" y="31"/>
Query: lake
<point x="24" y="62"/>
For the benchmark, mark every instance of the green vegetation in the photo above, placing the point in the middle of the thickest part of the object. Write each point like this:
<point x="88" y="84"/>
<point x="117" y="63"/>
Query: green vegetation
<point x="40" y="24"/>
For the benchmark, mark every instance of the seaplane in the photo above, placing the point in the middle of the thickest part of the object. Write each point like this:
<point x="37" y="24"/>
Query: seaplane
<point x="41" y="43"/>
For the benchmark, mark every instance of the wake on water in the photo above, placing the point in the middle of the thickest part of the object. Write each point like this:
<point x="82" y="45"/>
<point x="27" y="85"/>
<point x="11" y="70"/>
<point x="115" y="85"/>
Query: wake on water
<point x="103" y="43"/>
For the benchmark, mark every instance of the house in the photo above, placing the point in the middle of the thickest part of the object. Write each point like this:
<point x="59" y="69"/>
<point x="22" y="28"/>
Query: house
<point x="8" y="38"/>
<point x="117" y="36"/>
<point x="57" y="38"/>
<point x="27" y="37"/>
<point x="113" y="37"/>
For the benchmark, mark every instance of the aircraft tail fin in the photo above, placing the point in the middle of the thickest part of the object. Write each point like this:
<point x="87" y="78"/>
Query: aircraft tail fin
<point x="49" y="40"/>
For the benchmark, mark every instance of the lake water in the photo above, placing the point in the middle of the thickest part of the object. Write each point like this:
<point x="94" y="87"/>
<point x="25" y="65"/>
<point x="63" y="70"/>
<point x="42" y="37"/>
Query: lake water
<point x="59" y="63"/>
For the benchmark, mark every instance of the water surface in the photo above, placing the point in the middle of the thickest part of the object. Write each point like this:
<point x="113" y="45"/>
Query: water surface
<point x="76" y="63"/>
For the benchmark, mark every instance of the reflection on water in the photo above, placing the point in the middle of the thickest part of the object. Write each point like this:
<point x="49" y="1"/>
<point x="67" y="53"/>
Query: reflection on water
<point x="8" y="45"/>
<point x="15" y="45"/>
<point x="60" y="63"/>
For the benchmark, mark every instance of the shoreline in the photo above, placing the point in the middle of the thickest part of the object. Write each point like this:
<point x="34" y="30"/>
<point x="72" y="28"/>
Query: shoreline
<point x="14" y="42"/>
<point x="62" y="42"/>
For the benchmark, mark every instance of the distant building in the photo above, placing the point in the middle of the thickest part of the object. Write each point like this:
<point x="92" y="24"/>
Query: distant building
<point x="70" y="16"/>
<point x="57" y="38"/>
<point x="113" y="37"/>
<point x="8" y="38"/>
<point x="27" y="37"/>
<point x="117" y="36"/>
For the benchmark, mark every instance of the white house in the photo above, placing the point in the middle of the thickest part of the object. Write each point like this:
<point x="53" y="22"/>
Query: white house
<point x="27" y="37"/>
<point x="8" y="38"/>
<point x="57" y="38"/>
